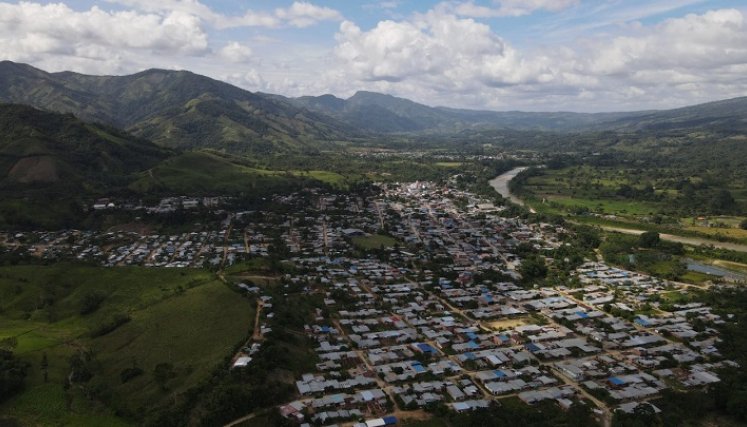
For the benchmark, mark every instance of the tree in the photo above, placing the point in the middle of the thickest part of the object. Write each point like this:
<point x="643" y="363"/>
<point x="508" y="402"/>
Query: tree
<point x="649" y="239"/>
<point x="45" y="366"/>
<point x="722" y="201"/>
<point x="533" y="268"/>
<point x="12" y="374"/>
<point x="162" y="373"/>
<point x="743" y="224"/>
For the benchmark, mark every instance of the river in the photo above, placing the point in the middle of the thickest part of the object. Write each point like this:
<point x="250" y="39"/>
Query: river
<point x="713" y="270"/>
<point x="500" y="184"/>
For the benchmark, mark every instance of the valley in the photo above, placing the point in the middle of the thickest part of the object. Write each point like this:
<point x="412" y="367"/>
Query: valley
<point x="175" y="250"/>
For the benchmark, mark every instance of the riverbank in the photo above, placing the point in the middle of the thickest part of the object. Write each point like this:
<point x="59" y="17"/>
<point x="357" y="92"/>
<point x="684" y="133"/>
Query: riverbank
<point x="692" y="241"/>
<point x="501" y="184"/>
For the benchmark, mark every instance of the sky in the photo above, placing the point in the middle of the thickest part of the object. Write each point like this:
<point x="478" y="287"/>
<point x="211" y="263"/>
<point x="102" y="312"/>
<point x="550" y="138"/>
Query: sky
<point x="531" y="55"/>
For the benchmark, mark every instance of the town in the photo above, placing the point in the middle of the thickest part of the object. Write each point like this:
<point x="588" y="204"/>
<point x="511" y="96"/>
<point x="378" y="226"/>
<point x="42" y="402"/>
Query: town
<point x="428" y="301"/>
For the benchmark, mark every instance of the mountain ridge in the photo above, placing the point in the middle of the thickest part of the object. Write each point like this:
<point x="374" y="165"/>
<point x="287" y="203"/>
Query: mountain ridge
<point x="174" y="108"/>
<point x="184" y="110"/>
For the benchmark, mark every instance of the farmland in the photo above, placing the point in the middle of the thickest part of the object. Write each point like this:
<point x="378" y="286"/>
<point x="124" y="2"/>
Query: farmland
<point x="664" y="200"/>
<point x="169" y="312"/>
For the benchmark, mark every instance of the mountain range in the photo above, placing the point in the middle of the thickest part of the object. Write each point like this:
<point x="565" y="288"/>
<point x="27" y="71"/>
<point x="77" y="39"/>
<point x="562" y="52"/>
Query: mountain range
<point x="75" y="137"/>
<point x="172" y="108"/>
<point x="180" y="109"/>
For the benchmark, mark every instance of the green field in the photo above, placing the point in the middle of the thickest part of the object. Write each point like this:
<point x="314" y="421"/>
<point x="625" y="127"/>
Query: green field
<point x="207" y="172"/>
<point x="636" y="192"/>
<point x="375" y="241"/>
<point x="602" y="206"/>
<point x="665" y="200"/>
<point x="185" y="318"/>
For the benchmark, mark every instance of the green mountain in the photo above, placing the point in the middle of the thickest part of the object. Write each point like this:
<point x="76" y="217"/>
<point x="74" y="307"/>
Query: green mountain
<point x="175" y="109"/>
<point x="44" y="150"/>
<point x="184" y="110"/>
<point x="727" y="116"/>
<point x="378" y="113"/>
<point x="50" y="162"/>
<point x="52" y="166"/>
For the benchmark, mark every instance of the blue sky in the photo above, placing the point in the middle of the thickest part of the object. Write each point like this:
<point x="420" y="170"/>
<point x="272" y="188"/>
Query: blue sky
<point x="538" y="55"/>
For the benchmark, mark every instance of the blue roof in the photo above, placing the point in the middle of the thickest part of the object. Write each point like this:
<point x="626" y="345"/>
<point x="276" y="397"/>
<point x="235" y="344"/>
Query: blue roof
<point x="499" y="374"/>
<point x="418" y="368"/>
<point x="472" y="344"/>
<point x="390" y="420"/>
<point x="504" y="338"/>
<point x="426" y="348"/>
<point x="582" y="314"/>
<point x="471" y="335"/>
<point x="532" y="347"/>
<point x="470" y="356"/>
<point x="616" y="381"/>
<point x="642" y="322"/>
<point x="488" y="297"/>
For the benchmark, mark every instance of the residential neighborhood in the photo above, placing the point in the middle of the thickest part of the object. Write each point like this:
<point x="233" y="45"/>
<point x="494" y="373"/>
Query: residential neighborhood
<point x="425" y="305"/>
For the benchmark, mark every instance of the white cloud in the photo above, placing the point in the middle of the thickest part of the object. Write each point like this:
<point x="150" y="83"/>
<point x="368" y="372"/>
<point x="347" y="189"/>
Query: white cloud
<point x="695" y="43"/>
<point x="438" y="49"/>
<point x="235" y="52"/>
<point x="439" y="58"/>
<point x="55" y="28"/>
<point x="300" y="14"/>
<point x="303" y="14"/>
<point x="510" y="7"/>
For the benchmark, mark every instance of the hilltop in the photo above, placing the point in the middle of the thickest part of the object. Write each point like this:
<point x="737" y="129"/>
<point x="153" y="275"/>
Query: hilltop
<point x="174" y="108"/>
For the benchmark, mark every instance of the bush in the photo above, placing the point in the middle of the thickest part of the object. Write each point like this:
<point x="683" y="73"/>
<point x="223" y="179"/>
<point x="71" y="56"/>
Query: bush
<point x="109" y="326"/>
<point x="128" y="374"/>
<point x="12" y="374"/>
<point x="649" y="239"/>
<point x="91" y="302"/>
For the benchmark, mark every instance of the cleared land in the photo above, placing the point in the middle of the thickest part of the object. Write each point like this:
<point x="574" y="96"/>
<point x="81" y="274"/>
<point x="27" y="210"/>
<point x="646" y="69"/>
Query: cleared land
<point x="375" y="241"/>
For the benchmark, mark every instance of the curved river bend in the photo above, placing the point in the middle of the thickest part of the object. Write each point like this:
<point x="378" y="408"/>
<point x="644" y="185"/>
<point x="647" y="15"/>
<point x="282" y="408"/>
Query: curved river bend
<point x="500" y="184"/>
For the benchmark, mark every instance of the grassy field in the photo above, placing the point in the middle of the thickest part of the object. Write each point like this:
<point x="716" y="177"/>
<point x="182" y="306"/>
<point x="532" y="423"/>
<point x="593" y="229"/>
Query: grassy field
<point x="332" y="178"/>
<point x="718" y="232"/>
<point x="449" y="165"/>
<point x="696" y="278"/>
<point x="603" y="206"/>
<point x="635" y="194"/>
<point x="185" y="318"/>
<point x="205" y="172"/>
<point x="375" y="241"/>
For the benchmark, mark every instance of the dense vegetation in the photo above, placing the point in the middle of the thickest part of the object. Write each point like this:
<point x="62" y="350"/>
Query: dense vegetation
<point x="52" y="157"/>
